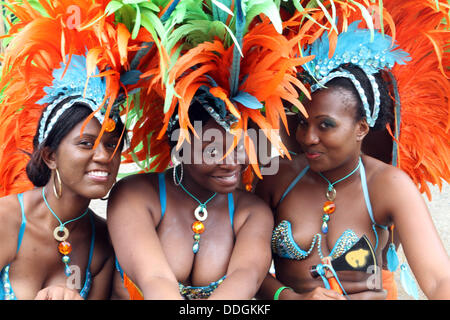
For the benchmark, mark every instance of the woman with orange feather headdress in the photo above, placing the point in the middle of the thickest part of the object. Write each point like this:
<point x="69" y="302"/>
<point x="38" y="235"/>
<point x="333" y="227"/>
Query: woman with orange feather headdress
<point x="229" y="67"/>
<point x="63" y="82"/>
<point x="362" y="68"/>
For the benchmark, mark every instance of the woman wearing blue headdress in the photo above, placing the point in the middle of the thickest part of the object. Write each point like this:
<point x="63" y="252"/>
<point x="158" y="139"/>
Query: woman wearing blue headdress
<point x="333" y="204"/>
<point x="60" y="148"/>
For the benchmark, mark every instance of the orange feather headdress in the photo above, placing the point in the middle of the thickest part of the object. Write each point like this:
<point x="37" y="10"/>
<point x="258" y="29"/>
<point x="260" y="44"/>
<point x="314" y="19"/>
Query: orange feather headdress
<point x="46" y="37"/>
<point x="421" y="133"/>
<point x="233" y="55"/>
<point x="421" y="86"/>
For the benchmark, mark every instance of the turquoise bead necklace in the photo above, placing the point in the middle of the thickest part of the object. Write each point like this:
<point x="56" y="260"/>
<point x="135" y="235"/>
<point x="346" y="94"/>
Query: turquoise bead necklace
<point x="64" y="246"/>
<point x="329" y="206"/>
<point x="200" y="213"/>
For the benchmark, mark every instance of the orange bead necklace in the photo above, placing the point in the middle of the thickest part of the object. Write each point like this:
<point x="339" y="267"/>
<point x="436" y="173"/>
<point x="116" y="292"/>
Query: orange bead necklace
<point x="64" y="247"/>
<point x="329" y="206"/>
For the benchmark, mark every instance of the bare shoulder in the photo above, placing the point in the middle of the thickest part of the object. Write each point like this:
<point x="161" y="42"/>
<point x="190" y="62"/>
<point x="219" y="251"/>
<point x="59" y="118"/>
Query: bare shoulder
<point x="384" y="177"/>
<point x="392" y="191"/>
<point x="282" y="172"/>
<point x="135" y="184"/>
<point x="136" y="195"/>
<point x="10" y="212"/>
<point x="10" y="221"/>
<point x="251" y="207"/>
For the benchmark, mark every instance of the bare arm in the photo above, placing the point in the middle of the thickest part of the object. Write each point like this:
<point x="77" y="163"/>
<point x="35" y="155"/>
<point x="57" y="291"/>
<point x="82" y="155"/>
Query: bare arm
<point x="251" y="255"/>
<point x="10" y="220"/>
<point x="136" y="243"/>
<point x="420" y="240"/>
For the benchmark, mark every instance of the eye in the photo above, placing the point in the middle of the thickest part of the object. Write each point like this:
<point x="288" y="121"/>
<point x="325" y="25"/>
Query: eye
<point x="112" y="144"/>
<point x="302" y="122"/>
<point x="327" y="124"/>
<point x="86" y="144"/>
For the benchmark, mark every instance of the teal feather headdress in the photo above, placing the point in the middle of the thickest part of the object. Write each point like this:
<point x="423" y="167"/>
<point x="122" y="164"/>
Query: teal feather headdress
<point x="360" y="47"/>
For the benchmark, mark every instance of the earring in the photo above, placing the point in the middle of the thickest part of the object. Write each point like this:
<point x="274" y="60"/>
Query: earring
<point x="176" y="180"/>
<point x="58" y="178"/>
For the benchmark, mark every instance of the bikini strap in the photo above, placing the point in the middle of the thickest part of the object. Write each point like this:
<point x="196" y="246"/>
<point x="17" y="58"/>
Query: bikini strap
<point x="91" y="249"/>
<point x="231" y="209"/>
<point x="88" y="278"/>
<point x="293" y="183"/>
<point x="162" y="194"/>
<point x="362" y="173"/>
<point x="24" y="221"/>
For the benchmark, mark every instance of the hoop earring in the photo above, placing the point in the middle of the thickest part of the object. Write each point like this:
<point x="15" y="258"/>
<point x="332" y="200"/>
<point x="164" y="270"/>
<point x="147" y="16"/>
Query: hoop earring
<point x="57" y="194"/>
<point x="176" y="180"/>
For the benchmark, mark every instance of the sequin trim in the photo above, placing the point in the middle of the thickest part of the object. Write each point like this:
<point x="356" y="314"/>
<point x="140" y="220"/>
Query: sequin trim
<point x="192" y="293"/>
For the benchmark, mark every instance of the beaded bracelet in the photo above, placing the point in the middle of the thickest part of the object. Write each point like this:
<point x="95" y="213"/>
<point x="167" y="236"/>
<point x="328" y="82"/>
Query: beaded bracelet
<point x="276" y="296"/>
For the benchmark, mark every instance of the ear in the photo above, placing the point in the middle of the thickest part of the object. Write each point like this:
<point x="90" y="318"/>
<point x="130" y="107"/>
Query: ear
<point x="362" y="129"/>
<point x="49" y="157"/>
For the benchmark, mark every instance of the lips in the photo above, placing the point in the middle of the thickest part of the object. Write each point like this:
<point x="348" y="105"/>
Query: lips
<point x="98" y="175"/>
<point x="228" y="179"/>
<point x="311" y="155"/>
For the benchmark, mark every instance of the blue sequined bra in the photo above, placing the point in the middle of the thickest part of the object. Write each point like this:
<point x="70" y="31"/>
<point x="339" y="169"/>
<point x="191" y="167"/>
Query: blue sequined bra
<point x="284" y="245"/>
<point x="6" y="291"/>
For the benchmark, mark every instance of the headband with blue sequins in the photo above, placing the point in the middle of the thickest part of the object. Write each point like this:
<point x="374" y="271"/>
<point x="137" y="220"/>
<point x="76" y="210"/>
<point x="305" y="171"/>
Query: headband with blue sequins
<point x="355" y="46"/>
<point x="75" y="83"/>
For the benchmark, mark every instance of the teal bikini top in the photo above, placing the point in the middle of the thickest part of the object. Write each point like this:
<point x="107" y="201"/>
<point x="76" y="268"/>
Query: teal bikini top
<point x="6" y="291"/>
<point x="284" y="245"/>
<point x="189" y="292"/>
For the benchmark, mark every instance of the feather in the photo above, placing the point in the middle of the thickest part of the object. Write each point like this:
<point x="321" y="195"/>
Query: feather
<point x="408" y="282"/>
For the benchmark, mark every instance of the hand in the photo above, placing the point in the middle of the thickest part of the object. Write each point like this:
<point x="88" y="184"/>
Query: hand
<point x="318" y="293"/>
<point x="58" y="293"/>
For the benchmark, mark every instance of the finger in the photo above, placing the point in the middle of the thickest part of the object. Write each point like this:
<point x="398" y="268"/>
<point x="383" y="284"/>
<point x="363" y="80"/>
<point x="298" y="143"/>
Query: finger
<point x="57" y="293"/>
<point x="333" y="295"/>
<point x="42" y="294"/>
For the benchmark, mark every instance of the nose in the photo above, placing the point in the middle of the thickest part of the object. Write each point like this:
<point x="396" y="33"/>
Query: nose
<point x="232" y="160"/>
<point x="102" y="154"/>
<point x="307" y="136"/>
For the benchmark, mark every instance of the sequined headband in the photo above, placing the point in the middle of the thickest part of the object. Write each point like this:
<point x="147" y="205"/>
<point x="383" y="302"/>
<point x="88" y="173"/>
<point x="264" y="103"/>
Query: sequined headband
<point x="75" y="83"/>
<point x="370" y="52"/>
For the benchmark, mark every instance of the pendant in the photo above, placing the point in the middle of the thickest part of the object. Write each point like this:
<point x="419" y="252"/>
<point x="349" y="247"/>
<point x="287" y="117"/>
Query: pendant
<point x="198" y="227"/>
<point x="328" y="208"/>
<point x="331" y="194"/>
<point x="65" y="248"/>
<point x="58" y="237"/>
<point x="200" y="213"/>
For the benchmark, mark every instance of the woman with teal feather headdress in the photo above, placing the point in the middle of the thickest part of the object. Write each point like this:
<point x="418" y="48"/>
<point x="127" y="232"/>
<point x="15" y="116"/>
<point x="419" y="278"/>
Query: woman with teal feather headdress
<point x="350" y="78"/>
<point x="60" y="144"/>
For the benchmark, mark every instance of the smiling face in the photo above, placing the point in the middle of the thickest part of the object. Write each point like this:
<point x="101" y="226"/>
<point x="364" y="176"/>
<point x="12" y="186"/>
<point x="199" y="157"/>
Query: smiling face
<point x="86" y="171"/>
<point x="207" y="167"/>
<point x="331" y="135"/>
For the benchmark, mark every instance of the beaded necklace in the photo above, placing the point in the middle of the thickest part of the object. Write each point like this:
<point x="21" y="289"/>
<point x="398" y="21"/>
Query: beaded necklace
<point x="200" y="213"/>
<point x="64" y="247"/>
<point x="329" y="206"/>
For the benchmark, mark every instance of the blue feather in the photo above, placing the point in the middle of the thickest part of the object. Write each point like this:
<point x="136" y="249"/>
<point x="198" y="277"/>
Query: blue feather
<point x="355" y="46"/>
<point x="408" y="282"/>
<point x="169" y="11"/>
<point x="247" y="100"/>
<point x="392" y="258"/>
<point x="74" y="82"/>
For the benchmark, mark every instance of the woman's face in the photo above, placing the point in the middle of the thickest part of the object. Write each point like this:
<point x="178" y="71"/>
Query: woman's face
<point x="331" y="135"/>
<point x="207" y="166"/>
<point x="84" y="170"/>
